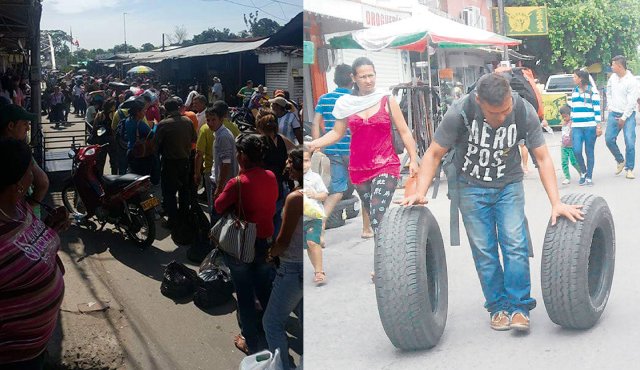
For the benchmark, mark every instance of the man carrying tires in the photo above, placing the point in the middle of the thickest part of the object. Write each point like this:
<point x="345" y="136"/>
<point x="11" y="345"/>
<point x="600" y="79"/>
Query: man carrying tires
<point x="483" y="130"/>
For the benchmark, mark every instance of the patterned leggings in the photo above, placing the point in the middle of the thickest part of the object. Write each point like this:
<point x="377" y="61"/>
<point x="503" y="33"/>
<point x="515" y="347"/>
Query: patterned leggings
<point x="376" y="197"/>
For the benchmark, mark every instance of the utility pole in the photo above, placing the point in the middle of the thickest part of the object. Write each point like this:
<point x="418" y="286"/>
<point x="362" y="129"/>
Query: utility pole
<point x="124" y="22"/>
<point x="503" y="30"/>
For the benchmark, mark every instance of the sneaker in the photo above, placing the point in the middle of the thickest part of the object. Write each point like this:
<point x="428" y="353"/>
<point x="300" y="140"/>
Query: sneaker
<point x="566" y="182"/>
<point x="619" y="167"/>
<point x="582" y="179"/>
<point x="630" y="175"/>
<point x="588" y="182"/>
<point x="519" y="321"/>
<point x="500" y="321"/>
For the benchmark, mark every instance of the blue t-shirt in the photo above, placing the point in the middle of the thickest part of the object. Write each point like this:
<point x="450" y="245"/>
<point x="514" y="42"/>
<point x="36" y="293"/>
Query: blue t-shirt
<point x="325" y="107"/>
<point x="130" y="127"/>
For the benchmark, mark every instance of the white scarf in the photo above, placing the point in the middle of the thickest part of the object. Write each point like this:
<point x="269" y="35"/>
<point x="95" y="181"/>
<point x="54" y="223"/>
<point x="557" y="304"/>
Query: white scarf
<point x="348" y="105"/>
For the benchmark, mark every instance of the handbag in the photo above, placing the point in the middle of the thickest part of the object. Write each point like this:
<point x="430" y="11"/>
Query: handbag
<point x="234" y="235"/>
<point x="143" y="147"/>
<point x="398" y="144"/>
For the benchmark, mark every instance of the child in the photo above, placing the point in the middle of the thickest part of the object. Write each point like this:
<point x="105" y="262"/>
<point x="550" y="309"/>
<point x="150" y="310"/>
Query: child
<point x="567" y="146"/>
<point x="315" y="193"/>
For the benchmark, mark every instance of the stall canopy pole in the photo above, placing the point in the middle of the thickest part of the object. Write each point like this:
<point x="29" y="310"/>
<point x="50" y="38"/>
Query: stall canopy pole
<point x="503" y="30"/>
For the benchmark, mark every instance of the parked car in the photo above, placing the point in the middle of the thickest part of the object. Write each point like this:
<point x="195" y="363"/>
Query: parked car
<point x="557" y="92"/>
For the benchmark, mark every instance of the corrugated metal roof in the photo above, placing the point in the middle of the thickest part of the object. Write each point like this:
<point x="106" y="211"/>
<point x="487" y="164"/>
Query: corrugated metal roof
<point x="213" y="48"/>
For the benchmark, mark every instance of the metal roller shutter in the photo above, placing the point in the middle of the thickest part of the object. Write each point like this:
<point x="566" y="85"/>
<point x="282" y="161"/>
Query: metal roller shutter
<point x="298" y="89"/>
<point x="277" y="77"/>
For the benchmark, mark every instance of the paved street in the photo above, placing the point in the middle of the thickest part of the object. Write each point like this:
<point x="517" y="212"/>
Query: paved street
<point x="343" y="329"/>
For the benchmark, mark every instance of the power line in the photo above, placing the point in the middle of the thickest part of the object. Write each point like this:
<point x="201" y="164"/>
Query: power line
<point x="255" y="7"/>
<point x="284" y="2"/>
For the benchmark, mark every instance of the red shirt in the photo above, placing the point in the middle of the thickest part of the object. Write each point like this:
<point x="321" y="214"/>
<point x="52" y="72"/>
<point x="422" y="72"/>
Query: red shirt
<point x="153" y="114"/>
<point x="259" y="191"/>
<point x="372" y="150"/>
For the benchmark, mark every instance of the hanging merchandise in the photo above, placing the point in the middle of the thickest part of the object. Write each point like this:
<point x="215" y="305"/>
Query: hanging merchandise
<point x="419" y="104"/>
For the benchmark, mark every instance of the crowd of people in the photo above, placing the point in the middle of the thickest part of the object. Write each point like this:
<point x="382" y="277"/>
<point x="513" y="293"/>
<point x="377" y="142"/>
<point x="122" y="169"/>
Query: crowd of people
<point x="183" y="148"/>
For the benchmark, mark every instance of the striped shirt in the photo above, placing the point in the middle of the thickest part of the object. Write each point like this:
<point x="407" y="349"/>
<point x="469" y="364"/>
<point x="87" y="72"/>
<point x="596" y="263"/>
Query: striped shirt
<point x="325" y="107"/>
<point x="585" y="108"/>
<point x="31" y="286"/>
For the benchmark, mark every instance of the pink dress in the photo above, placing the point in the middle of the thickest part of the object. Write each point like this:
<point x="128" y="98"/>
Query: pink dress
<point x="372" y="151"/>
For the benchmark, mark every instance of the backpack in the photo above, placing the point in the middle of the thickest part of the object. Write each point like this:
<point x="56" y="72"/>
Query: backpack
<point x="522" y="81"/>
<point x="121" y="132"/>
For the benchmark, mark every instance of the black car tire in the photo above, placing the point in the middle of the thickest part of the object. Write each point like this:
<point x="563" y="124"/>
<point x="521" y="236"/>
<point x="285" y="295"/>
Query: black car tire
<point x="577" y="264"/>
<point x="411" y="278"/>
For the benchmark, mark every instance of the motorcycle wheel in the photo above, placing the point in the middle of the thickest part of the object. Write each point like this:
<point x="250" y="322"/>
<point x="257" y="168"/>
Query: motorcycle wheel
<point x="72" y="201"/>
<point x="143" y="229"/>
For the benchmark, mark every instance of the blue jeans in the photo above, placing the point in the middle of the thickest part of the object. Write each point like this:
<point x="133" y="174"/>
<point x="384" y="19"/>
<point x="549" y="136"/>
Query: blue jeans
<point x="339" y="173"/>
<point x="285" y="297"/>
<point x="584" y="136"/>
<point x="251" y="280"/>
<point x="495" y="216"/>
<point x="611" y="135"/>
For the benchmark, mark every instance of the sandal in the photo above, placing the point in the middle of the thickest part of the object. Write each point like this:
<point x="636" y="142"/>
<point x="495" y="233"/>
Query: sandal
<point x="319" y="277"/>
<point x="367" y="235"/>
<point x="241" y="344"/>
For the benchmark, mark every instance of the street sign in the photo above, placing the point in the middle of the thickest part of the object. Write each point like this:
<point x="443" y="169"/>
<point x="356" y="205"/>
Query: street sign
<point x="523" y="20"/>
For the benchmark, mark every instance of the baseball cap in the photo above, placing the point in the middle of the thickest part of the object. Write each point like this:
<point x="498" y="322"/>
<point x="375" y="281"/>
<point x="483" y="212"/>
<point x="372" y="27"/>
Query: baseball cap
<point x="280" y="101"/>
<point x="14" y="113"/>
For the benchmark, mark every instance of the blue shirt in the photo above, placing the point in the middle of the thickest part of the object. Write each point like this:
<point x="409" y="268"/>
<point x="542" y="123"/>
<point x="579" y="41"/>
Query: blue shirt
<point x="130" y="129"/>
<point x="325" y="107"/>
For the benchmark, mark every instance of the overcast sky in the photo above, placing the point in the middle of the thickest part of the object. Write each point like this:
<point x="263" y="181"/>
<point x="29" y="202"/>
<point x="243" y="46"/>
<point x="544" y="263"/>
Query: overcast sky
<point x="99" y="23"/>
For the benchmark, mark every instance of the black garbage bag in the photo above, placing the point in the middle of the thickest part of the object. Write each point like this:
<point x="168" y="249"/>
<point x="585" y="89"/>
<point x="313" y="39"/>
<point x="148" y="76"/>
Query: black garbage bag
<point x="179" y="281"/>
<point x="216" y="287"/>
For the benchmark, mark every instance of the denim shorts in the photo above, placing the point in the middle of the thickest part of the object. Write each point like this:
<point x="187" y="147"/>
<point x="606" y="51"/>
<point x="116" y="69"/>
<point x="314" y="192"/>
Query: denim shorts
<point x="339" y="173"/>
<point x="312" y="231"/>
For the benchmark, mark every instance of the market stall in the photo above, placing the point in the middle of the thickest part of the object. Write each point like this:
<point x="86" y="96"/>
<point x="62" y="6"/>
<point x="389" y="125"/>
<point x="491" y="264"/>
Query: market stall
<point x="417" y="33"/>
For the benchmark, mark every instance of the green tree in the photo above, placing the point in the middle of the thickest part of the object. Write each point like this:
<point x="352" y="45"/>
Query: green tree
<point x="213" y="35"/>
<point x="147" y="47"/>
<point x="121" y="49"/>
<point x="260" y="27"/>
<point x="583" y="32"/>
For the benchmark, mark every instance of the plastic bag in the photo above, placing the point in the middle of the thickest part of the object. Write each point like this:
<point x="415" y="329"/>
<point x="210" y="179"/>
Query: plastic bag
<point x="179" y="281"/>
<point x="312" y="209"/>
<point x="264" y="360"/>
<point x="216" y="287"/>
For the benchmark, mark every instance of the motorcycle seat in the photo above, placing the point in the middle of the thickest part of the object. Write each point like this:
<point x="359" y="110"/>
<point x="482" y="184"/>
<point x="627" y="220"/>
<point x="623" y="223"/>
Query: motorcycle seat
<point x="116" y="181"/>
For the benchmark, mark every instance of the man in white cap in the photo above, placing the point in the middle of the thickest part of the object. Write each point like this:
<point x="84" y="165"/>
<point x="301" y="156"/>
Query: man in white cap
<point x="216" y="90"/>
<point x="288" y="123"/>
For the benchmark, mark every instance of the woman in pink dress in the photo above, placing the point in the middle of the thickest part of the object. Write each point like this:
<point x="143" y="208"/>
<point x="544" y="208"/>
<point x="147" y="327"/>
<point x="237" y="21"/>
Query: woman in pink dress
<point x="374" y="167"/>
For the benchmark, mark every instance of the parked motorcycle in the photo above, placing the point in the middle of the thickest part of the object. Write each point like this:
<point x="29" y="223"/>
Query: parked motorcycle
<point x="123" y="201"/>
<point x="242" y="118"/>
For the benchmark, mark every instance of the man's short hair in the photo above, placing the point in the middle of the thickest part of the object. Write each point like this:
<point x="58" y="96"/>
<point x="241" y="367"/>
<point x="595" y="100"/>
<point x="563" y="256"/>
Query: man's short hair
<point x="201" y="98"/>
<point x="173" y="104"/>
<point x="342" y="76"/>
<point x="493" y="89"/>
<point x="565" y="109"/>
<point x="218" y="109"/>
<point x="620" y="59"/>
